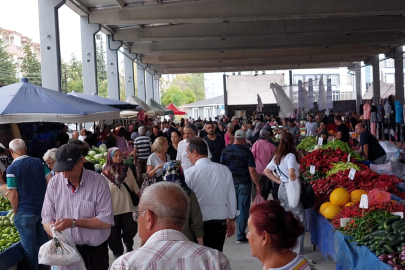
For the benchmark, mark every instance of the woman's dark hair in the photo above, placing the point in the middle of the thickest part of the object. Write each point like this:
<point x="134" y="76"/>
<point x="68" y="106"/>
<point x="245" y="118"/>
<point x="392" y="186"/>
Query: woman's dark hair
<point x="178" y="133"/>
<point x="157" y="127"/>
<point x="83" y="146"/>
<point x="323" y="123"/>
<point x="121" y="132"/>
<point x="286" y="146"/>
<point x="282" y="226"/>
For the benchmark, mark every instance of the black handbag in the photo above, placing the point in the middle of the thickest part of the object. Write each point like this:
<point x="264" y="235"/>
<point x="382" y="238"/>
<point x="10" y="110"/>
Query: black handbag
<point x="134" y="196"/>
<point x="307" y="197"/>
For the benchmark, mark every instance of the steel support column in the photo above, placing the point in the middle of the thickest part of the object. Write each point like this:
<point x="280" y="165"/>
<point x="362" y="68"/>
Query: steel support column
<point x="129" y="73"/>
<point x="399" y="74"/>
<point x="51" y="69"/>
<point x="156" y="93"/>
<point x="112" y="68"/>
<point x="88" y="31"/>
<point x="149" y="84"/>
<point x="357" y="90"/>
<point x="376" y="79"/>
<point x="140" y="77"/>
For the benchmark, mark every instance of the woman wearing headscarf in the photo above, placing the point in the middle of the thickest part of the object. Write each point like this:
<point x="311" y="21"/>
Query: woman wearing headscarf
<point x="256" y="132"/>
<point x="194" y="228"/>
<point x="117" y="175"/>
<point x="263" y="151"/>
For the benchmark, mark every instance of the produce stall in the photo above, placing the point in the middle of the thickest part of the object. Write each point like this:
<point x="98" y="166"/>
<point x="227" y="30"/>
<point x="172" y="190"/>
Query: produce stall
<point x="11" y="250"/>
<point x="357" y="217"/>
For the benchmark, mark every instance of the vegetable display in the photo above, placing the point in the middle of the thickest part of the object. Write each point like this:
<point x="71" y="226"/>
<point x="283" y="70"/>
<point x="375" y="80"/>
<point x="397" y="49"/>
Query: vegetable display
<point x="5" y="204"/>
<point x="338" y="144"/>
<point x="8" y="233"/>
<point x="308" y="144"/>
<point x="98" y="156"/>
<point x="342" y="166"/>
<point x="308" y="177"/>
<point x="322" y="159"/>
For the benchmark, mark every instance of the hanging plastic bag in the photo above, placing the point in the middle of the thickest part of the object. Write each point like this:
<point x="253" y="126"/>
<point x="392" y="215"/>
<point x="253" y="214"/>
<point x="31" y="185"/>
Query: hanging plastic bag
<point x="59" y="251"/>
<point x="258" y="199"/>
<point x="378" y="195"/>
<point x="293" y="189"/>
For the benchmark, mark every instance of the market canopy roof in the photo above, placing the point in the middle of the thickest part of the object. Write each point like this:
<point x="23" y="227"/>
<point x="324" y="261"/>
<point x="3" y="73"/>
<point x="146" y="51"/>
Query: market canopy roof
<point x="175" y="110"/>
<point x="172" y="36"/>
<point x="156" y="105"/>
<point x="219" y="100"/>
<point x="147" y="108"/>
<point x="104" y="101"/>
<point x="386" y="89"/>
<point x="25" y="102"/>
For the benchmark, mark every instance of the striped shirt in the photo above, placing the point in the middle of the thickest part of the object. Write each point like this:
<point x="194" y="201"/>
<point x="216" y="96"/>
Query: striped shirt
<point x="142" y="145"/>
<point x="170" y="249"/>
<point x="92" y="198"/>
<point x="299" y="263"/>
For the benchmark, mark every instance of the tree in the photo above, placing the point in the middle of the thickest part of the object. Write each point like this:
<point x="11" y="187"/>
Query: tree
<point x="72" y="75"/>
<point x="178" y="97"/>
<point x="7" y="67"/>
<point x="101" y="68"/>
<point x="30" y="66"/>
<point x="194" y="82"/>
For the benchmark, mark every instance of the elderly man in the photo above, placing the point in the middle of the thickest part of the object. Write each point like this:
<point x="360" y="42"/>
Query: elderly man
<point x="26" y="181"/>
<point x="370" y="147"/>
<point x="142" y="150"/>
<point x="189" y="132"/>
<point x="75" y="135"/>
<point x="241" y="162"/>
<point x="213" y="185"/>
<point x="235" y="122"/>
<point x="78" y="202"/>
<point x="162" y="214"/>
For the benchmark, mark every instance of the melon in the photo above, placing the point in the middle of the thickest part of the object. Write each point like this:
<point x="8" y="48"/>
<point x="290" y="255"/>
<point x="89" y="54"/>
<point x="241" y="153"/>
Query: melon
<point x="355" y="195"/>
<point x="339" y="197"/>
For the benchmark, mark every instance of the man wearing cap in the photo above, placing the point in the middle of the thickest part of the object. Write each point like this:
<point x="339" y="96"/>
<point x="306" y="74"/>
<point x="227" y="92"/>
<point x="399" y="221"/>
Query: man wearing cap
<point x="241" y="162"/>
<point x="26" y="183"/>
<point x="78" y="202"/>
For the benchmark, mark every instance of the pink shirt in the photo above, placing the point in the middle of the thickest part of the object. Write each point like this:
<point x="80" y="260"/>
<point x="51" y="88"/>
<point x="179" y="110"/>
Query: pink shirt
<point x="227" y="139"/>
<point x="92" y="198"/>
<point x="263" y="152"/>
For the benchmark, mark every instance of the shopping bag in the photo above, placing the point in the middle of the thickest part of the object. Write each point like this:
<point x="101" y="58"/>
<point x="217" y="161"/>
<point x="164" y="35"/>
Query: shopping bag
<point x="381" y="168"/>
<point x="258" y="199"/>
<point x="61" y="250"/>
<point x="76" y="266"/>
<point x="293" y="189"/>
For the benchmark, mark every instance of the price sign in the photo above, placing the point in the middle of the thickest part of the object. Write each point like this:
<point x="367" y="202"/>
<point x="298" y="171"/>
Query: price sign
<point x="344" y="221"/>
<point x="312" y="169"/>
<point x="352" y="173"/>
<point x="333" y="139"/>
<point x="401" y="214"/>
<point x="364" y="201"/>
<point x="348" y="158"/>
<point x="320" y="141"/>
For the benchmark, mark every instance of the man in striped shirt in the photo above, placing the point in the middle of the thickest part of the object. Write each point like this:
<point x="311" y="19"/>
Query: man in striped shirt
<point x="78" y="202"/>
<point x="141" y="153"/>
<point x="162" y="213"/>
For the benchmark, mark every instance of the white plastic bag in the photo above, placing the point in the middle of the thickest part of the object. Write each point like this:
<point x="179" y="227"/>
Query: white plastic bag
<point x="293" y="189"/>
<point x="61" y="250"/>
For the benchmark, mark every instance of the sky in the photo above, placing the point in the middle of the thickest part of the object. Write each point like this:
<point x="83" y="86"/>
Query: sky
<point x="22" y="16"/>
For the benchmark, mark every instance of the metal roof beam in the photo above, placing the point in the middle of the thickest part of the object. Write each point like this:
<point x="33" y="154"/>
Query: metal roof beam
<point x="253" y="68"/>
<point x="234" y="10"/>
<point x="264" y="28"/>
<point x="262" y="54"/>
<point x="266" y="43"/>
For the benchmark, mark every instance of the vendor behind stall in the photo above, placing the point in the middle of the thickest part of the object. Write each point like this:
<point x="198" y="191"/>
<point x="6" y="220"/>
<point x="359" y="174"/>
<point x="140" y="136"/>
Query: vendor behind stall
<point x="342" y="130"/>
<point x="370" y="147"/>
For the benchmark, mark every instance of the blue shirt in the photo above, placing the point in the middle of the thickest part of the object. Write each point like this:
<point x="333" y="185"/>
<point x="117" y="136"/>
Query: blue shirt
<point x="27" y="175"/>
<point x="238" y="159"/>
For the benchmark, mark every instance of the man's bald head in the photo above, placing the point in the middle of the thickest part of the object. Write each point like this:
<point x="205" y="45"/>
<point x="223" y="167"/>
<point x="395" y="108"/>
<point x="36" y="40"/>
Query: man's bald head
<point x="75" y="135"/>
<point x="360" y="128"/>
<point x="168" y="202"/>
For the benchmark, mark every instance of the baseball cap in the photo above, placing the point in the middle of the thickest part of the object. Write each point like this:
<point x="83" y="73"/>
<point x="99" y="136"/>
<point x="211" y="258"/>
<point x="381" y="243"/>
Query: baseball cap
<point x="240" y="134"/>
<point x="66" y="158"/>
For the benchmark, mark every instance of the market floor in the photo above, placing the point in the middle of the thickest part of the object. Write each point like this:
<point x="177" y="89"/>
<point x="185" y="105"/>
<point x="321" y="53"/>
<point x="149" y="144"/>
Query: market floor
<point x="241" y="259"/>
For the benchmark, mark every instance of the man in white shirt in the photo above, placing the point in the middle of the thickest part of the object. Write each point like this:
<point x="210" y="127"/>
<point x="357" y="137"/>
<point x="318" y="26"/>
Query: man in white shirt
<point x="311" y="126"/>
<point x="162" y="214"/>
<point x="212" y="183"/>
<point x="189" y="132"/>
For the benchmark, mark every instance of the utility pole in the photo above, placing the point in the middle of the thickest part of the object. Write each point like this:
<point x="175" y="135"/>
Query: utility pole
<point x="65" y="75"/>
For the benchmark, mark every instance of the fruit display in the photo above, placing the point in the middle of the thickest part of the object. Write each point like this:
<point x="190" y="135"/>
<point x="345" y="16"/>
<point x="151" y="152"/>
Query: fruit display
<point x="8" y="232"/>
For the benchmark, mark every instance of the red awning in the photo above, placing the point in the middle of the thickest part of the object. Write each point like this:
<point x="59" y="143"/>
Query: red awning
<point x="175" y="110"/>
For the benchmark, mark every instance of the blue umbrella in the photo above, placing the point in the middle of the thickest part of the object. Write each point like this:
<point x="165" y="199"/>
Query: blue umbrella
<point x="25" y="102"/>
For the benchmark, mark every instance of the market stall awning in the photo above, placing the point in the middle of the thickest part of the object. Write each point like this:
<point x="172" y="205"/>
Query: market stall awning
<point x="104" y="101"/>
<point x="25" y="102"/>
<point x="147" y="108"/>
<point x="156" y="105"/>
<point x="133" y="114"/>
<point x="386" y="89"/>
<point x="175" y="110"/>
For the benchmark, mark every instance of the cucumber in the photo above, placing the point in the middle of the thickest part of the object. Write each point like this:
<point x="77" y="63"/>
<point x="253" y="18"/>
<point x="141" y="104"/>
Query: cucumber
<point x="377" y="233"/>
<point x="394" y="237"/>
<point x="373" y="248"/>
<point x="390" y="220"/>
<point x="378" y="252"/>
<point x="389" y="249"/>
<point x="381" y="227"/>
<point x="394" y="243"/>
<point x="399" y="223"/>
<point x="389" y="229"/>
<point x="382" y="243"/>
